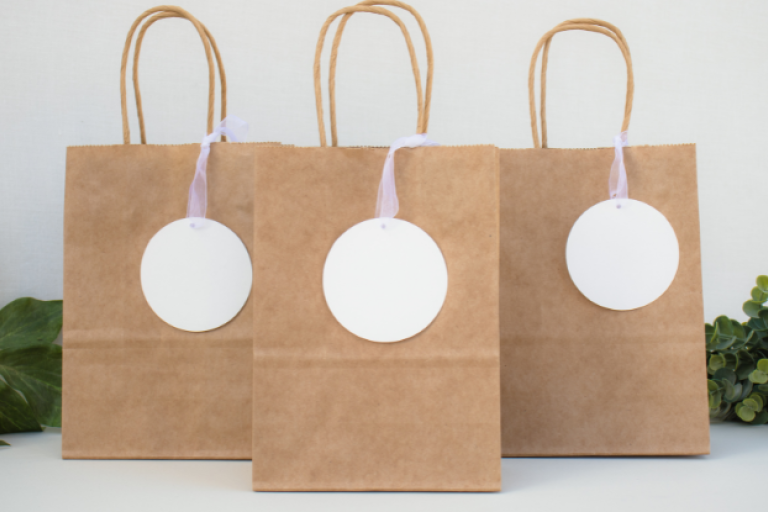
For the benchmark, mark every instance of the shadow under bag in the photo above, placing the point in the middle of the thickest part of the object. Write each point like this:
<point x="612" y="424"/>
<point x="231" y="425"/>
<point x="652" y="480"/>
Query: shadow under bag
<point x="333" y="411"/>
<point x="577" y="378"/>
<point x="135" y="387"/>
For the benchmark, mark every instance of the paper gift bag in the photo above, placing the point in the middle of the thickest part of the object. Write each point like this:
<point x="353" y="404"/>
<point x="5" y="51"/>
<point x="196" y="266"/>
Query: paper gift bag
<point x="135" y="387"/>
<point x="577" y="378"/>
<point x="333" y="411"/>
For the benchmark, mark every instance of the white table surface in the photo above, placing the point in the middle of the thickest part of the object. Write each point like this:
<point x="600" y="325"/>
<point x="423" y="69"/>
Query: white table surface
<point x="34" y="477"/>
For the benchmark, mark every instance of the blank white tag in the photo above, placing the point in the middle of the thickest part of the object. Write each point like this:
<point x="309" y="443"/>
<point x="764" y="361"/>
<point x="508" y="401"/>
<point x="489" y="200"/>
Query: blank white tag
<point x="622" y="258"/>
<point x="196" y="279"/>
<point x="385" y="280"/>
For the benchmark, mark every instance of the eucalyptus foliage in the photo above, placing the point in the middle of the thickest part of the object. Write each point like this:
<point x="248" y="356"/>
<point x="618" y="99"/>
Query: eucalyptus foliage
<point x="30" y="366"/>
<point x="737" y="362"/>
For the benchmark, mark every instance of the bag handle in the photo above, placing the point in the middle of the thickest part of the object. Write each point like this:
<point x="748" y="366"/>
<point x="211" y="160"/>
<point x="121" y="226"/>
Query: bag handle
<point x="137" y="52"/>
<point x="424" y="119"/>
<point x="178" y="12"/>
<point x="590" y="25"/>
<point x="319" y="51"/>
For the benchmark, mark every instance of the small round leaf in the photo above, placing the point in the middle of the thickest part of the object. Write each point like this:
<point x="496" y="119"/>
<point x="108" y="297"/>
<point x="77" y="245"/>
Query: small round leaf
<point x="752" y="308"/>
<point x="758" y="377"/>
<point x="746" y="413"/>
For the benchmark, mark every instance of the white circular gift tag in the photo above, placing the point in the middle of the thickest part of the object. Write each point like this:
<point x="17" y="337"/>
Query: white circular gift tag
<point x="622" y="258"/>
<point x="385" y="280"/>
<point x="196" y="279"/>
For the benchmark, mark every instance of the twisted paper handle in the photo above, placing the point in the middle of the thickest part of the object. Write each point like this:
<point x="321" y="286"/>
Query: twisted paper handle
<point x="234" y="128"/>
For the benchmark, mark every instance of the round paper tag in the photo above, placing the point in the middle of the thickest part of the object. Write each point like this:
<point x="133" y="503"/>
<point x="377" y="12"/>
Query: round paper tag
<point x="622" y="258"/>
<point x="196" y="279"/>
<point x="385" y="280"/>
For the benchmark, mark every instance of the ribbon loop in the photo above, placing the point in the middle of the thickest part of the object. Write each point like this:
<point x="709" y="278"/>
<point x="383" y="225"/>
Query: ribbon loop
<point x="234" y="128"/>
<point x="617" y="183"/>
<point x="387" y="204"/>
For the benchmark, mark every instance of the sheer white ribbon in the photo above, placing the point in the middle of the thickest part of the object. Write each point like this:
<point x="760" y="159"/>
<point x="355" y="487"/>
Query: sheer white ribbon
<point x="234" y="128"/>
<point x="387" y="204"/>
<point x="617" y="183"/>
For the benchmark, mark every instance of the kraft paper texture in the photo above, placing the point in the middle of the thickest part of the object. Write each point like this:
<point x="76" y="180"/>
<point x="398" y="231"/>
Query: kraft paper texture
<point x="578" y="379"/>
<point x="135" y="387"/>
<point x="334" y="412"/>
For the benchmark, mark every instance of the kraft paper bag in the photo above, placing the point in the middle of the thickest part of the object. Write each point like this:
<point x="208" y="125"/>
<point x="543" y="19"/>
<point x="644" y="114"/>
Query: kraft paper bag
<point x="333" y="411"/>
<point x="135" y="387"/>
<point x="579" y="379"/>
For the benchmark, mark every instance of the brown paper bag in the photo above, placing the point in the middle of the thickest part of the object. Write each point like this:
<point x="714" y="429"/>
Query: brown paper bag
<point x="135" y="387"/>
<point x="332" y="411"/>
<point x="578" y="379"/>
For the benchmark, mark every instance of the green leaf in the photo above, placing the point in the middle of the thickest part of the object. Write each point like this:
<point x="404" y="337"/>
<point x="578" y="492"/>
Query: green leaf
<point x="758" y="324"/>
<point x="726" y="333"/>
<point x="752" y="308"/>
<point x="759" y="400"/>
<point x="724" y="325"/>
<point x="725" y="374"/>
<point x="732" y="392"/>
<point x="763" y="389"/>
<point x="712" y="385"/>
<point x="27" y="321"/>
<point x="36" y="373"/>
<point x="759" y="295"/>
<point x="721" y="412"/>
<point x="758" y="377"/>
<point x="761" y="323"/>
<point x="3" y="443"/>
<point x="15" y="413"/>
<point x="710" y="332"/>
<point x="746" y="413"/>
<point x="746" y="389"/>
<point x="762" y="283"/>
<point x="750" y="403"/>
<point x="716" y="361"/>
<point x="30" y="363"/>
<point x="745" y="365"/>
<point x="762" y="365"/>
<point x="761" y="418"/>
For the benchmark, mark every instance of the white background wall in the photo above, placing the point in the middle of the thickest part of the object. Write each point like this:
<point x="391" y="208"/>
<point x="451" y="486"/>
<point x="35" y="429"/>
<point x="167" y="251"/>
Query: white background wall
<point x="700" y="67"/>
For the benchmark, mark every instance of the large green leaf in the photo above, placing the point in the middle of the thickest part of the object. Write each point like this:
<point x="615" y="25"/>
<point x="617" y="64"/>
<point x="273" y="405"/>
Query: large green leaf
<point x="15" y="414"/>
<point x="27" y="321"/>
<point x="762" y="283"/>
<point x="36" y="373"/>
<point x="30" y="363"/>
